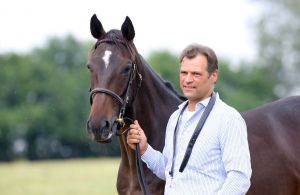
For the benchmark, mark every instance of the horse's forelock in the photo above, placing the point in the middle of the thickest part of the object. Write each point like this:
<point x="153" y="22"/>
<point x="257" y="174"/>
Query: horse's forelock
<point x="116" y="38"/>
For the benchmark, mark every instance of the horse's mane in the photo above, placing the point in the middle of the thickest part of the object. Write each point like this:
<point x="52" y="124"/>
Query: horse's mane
<point x="166" y="83"/>
<point x="169" y="85"/>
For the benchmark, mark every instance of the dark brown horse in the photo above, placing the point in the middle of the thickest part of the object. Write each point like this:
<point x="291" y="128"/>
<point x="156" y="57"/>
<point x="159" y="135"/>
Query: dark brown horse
<point x="124" y="87"/>
<point x="274" y="141"/>
<point x="116" y="71"/>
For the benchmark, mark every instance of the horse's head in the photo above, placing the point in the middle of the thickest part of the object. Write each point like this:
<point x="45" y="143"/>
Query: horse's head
<point x="114" y="78"/>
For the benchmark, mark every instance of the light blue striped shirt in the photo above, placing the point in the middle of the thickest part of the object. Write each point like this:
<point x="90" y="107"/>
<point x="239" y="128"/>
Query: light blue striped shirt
<point x="220" y="160"/>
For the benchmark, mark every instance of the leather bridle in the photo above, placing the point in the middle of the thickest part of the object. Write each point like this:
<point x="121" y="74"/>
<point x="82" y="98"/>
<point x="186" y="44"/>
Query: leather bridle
<point x="122" y="102"/>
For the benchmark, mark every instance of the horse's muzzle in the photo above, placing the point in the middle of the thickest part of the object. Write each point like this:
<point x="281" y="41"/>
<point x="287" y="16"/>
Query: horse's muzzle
<point x="101" y="132"/>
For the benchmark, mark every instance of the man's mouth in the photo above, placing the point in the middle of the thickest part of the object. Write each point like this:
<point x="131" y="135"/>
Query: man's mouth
<point x="188" y="87"/>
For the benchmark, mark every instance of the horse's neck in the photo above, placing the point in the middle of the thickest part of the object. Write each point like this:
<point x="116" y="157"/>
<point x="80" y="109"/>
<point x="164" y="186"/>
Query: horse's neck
<point x="153" y="106"/>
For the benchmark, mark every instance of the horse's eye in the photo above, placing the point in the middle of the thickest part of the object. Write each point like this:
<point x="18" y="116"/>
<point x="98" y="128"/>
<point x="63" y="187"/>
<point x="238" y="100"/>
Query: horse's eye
<point x="126" y="70"/>
<point x="89" y="67"/>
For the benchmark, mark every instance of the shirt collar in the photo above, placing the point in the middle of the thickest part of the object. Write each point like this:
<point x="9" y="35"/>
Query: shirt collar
<point x="203" y="103"/>
<point x="199" y="105"/>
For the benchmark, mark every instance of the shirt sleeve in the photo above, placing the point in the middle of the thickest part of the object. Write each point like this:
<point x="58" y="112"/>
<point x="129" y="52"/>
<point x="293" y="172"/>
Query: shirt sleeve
<point x="155" y="161"/>
<point x="236" y="157"/>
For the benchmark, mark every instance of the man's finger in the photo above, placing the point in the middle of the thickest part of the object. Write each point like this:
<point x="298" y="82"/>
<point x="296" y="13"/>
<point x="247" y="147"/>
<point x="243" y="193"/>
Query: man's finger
<point x="133" y="132"/>
<point x="137" y="123"/>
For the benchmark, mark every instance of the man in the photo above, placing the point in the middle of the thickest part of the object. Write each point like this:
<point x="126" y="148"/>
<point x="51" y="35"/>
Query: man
<point x="219" y="161"/>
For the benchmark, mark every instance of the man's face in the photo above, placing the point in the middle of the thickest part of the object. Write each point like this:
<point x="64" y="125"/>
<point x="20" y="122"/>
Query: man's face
<point x="195" y="82"/>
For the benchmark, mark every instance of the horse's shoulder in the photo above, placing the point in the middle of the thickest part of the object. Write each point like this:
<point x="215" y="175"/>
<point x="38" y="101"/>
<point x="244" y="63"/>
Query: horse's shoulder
<point x="278" y="118"/>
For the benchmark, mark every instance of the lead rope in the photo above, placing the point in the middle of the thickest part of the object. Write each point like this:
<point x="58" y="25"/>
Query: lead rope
<point x="139" y="165"/>
<point x="140" y="171"/>
<point x="138" y="161"/>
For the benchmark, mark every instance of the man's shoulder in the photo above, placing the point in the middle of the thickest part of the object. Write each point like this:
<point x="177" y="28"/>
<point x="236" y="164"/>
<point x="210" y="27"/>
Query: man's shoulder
<point x="226" y="110"/>
<point x="229" y="116"/>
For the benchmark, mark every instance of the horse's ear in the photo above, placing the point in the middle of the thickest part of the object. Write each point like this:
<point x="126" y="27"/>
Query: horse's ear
<point x="128" y="29"/>
<point x="96" y="27"/>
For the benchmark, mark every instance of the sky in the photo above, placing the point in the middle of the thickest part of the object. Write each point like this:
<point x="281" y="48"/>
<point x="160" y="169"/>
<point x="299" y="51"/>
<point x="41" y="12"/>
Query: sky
<point x="225" y="26"/>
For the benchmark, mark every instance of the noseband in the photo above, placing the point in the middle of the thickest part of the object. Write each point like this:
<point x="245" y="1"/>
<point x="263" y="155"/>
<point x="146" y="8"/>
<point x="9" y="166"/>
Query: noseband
<point x="122" y="102"/>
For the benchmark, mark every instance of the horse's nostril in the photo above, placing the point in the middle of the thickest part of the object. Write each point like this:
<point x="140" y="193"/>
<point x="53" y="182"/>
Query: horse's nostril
<point x="99" y="130"/>
<point x="88" y="127"/>
<point x="104" y="125"/>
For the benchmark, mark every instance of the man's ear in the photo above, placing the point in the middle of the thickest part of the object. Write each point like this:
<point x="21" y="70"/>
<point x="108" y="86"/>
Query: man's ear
<point x="214" y="76"/>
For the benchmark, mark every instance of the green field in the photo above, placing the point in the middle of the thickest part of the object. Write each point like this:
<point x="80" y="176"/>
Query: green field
<point x="65" y="177"/>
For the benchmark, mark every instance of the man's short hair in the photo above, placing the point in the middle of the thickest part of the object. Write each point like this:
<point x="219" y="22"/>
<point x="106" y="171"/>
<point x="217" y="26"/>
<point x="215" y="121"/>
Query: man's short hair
<point x="192" y="50"/>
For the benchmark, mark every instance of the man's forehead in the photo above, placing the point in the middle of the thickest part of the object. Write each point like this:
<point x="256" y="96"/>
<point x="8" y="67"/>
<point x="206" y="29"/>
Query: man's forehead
<point x="199" y="60"/>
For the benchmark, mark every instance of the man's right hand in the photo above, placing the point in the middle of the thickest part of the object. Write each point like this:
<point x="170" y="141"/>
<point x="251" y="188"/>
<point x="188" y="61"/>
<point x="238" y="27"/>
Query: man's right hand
<point x="137" y="135"/>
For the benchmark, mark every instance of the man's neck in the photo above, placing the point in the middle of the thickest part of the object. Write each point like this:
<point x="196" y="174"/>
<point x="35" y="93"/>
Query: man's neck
<point x="192" y="105"/>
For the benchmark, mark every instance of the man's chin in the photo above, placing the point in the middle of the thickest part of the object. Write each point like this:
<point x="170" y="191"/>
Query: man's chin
<point x="189" y="93"/>
<point x="189" y="96"/>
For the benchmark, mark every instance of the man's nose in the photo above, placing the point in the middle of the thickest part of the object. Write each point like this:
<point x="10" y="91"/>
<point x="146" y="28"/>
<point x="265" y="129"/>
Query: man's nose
<point x="189" y="78"/>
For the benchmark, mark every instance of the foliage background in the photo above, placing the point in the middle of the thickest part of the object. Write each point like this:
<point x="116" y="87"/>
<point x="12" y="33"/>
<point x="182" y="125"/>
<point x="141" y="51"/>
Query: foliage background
<point x="44" y="93"/>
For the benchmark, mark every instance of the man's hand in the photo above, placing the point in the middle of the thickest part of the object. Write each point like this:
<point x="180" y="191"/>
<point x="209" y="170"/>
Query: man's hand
<point x="137" y="135"/>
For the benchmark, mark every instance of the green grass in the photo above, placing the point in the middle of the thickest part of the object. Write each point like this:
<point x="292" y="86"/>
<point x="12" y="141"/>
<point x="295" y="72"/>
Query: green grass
<point x="65" y="177"/>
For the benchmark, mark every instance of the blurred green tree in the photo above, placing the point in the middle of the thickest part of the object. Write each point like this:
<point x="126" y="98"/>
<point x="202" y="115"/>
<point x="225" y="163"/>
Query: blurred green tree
<point x="166" y="65"/>
<point x="244" y="87"/>
<point x="44" y="103"/>
<point x="278" y="29"/>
